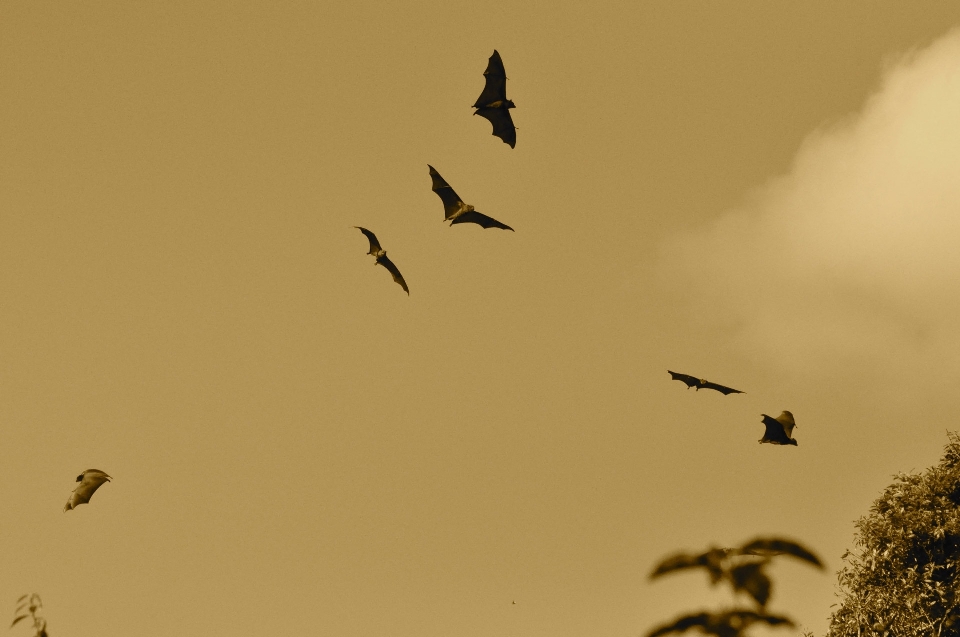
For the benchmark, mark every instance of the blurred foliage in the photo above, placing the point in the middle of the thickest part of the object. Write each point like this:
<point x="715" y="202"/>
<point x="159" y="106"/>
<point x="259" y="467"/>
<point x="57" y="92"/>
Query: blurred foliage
<point x="902" y="578"/>
<point x="31" y="606"/>
<point x="744" y="569"/>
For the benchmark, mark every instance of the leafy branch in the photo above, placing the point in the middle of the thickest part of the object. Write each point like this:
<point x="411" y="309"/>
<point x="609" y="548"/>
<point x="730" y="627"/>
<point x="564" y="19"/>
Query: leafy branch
<point x="31" y="606"/>
<point x="743" y="569"/>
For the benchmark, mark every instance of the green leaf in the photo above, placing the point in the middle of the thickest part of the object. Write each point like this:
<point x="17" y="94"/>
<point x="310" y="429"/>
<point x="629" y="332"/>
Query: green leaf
<point x="731" y="623"/>
<point x="751" y="579"/>
<point x="712" y="560"/>
<point x="770" y="547"/>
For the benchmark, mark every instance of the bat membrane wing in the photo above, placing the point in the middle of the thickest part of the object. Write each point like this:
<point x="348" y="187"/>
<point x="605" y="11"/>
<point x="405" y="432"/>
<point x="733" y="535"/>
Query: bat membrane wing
<point x="438" y="181"/>
<point x="721" y="388"/>
<point x="688" y="380"/>
<point x="786" y="421"/>
<point x="452" y="203"/>
<point x="502" y="124"/>
<point x="481" y="220"/>
<point x="374" y="244"/>
<point x="91" y="480"/>
<point x="388" y="264"/>
<point x="495" y="77"/>
<point x="774" y="432"/>
<point x="494" y="91"/>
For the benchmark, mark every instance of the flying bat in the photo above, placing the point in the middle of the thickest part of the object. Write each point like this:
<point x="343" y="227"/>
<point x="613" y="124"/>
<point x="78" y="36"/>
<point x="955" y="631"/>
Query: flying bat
<point x="779" y="430"/>
<point x="381" y="258"/>
<point x="702" y="383"/>
<point x="455" y="211"/>
<point x="493" y="104"/>
<point x="90" y="480"/>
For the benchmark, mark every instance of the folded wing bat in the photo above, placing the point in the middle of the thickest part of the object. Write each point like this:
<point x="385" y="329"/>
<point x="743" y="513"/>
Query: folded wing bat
<point x="381" y="258"/>
<point x="90" y="480"/>
<point x="702" y="383"/>
<point x="493" y="104"/>
<point x="779" y="430"/>
<point x="455" y="211"/>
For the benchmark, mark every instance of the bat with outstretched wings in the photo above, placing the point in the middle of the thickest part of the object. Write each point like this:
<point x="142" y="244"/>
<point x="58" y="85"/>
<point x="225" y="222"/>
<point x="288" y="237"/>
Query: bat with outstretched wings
<point x="381" y="258"/>
<point x="779" y="430"/>
<point x="455" y="211"/>
<point x="90" y="480"/>
<point x="702" y="383"/>
<point x="493" y="104"/>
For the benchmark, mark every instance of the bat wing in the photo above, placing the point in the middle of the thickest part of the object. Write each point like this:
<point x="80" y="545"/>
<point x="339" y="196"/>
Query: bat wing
<point x="452" y="203"/>
<point x="774" y="432"/>
<point x="481" y="220"/>
<point x="90" y="480"/>
<point x="388" y="264"/>
<point x="688" y="380"/>
<point x="786" y="420"/>
<point x="374" y="244"/>
<point x="495" y="78"/>
<point x="502" y="124"/>
<point x="721" y="388"/>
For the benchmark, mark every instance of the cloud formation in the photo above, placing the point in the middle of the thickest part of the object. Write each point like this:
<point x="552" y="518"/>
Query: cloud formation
<point x="853" y="257"/>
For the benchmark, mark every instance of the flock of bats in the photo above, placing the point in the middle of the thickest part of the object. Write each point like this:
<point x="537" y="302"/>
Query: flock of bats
<point x="495" y="107"/>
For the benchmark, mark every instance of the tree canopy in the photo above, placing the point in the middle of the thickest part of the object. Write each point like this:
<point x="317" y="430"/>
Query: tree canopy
<point x="901" y="578"/>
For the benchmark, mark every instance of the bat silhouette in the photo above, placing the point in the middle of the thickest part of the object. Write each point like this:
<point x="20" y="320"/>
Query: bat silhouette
<point x="779" y="430"/>
<point x="493" y="104"/>
<point x="702" y="383"/>
<point x="90" y="480"/>
<point x="381" y="258"/>
<point x="455" y="211"/>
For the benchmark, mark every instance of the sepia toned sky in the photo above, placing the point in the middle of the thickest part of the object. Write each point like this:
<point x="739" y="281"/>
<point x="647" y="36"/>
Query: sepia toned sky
<point x="764" y="194"/>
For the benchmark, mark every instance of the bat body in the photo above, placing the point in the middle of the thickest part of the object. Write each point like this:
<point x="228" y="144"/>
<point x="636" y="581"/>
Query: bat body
<point x="90" y="480"/>
<point x="702" y="383"/>
<point x="779" y="430"/>
<point x="493" y="104"/>
<point x="455" y="211"/>
<point x="381" y="258"/>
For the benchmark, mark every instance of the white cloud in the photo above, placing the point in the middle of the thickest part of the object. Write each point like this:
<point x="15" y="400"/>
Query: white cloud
<point x="855" y="254"/>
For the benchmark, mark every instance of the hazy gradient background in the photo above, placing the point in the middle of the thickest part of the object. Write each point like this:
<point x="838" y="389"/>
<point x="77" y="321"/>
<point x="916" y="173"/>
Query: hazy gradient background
<point x="764" y="194"/>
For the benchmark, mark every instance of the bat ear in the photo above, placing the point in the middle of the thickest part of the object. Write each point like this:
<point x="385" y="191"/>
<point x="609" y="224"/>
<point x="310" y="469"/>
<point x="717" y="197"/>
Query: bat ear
<point x="80" y="477"/>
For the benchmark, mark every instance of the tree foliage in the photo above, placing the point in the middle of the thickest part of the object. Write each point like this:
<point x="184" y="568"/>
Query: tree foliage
<point x="31" y="606"/>
<point x="744" y="570"/>
<point x="902" y="577"/>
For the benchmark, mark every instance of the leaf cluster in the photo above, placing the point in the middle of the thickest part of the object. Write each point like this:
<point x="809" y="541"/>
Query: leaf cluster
<point x="902" y="577"/>
<point x="31" y="606"/>
<point x="744" y="570"/>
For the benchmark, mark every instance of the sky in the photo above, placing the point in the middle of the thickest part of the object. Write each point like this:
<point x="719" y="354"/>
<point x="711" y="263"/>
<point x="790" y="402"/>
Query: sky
<point x="763" y="194"/>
